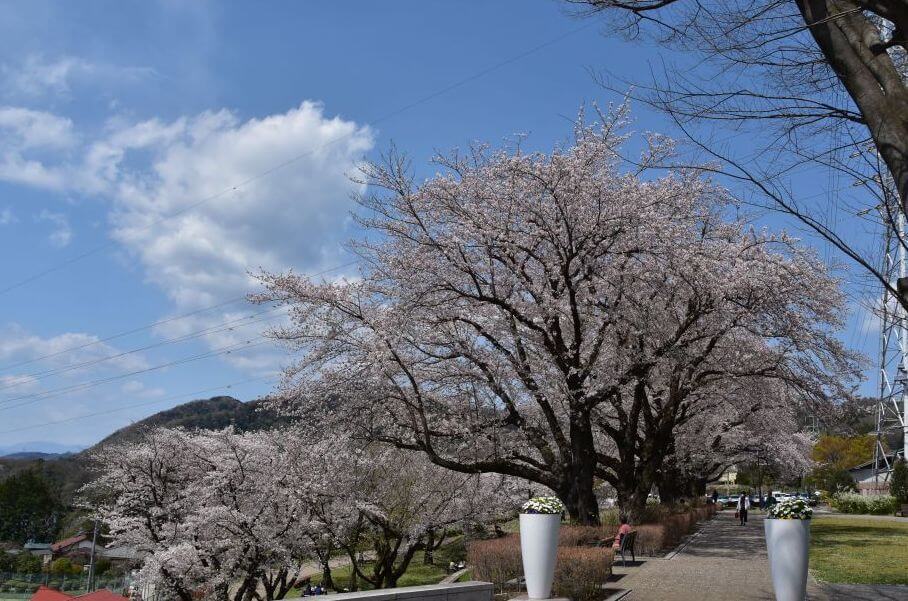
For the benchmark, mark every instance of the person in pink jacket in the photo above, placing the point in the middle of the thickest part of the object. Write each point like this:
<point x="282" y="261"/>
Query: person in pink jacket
<point x="622" y="530"/>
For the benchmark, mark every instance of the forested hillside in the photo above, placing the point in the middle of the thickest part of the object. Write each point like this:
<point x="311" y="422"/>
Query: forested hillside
<point x="37" y="493"/>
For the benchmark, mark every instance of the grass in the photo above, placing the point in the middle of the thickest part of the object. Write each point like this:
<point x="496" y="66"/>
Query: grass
<point x="417" y="572"/>
<point x="859" y="551"/>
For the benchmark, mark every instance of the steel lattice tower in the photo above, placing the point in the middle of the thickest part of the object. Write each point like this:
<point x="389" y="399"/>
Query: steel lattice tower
<point x="892" y="407"/>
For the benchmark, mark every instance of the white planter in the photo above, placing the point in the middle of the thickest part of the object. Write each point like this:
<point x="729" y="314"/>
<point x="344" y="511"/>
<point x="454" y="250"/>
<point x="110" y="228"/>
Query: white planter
<point x="788" y="543"/>
<point x="538" y="546"/>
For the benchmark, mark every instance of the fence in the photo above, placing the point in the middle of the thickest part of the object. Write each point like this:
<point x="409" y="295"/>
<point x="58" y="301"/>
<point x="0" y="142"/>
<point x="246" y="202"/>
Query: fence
<point x="15" y="585"/>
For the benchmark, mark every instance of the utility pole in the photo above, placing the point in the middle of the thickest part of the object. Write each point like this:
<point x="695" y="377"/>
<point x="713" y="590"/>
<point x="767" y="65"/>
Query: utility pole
<point x="91" y="563"/>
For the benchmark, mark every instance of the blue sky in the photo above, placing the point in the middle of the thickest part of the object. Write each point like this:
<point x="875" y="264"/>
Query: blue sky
<point x="115" y="116"/>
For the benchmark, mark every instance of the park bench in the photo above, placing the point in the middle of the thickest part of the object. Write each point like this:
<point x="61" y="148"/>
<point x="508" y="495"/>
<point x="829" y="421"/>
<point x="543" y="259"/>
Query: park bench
<point x="626" y="546"/>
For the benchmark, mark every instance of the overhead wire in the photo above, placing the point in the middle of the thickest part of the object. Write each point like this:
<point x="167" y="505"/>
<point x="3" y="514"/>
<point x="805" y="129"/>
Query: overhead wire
<point x="28" y="399"/>
<point x="186" y="395"/>
<point x="286" y="163"/>
<point x="153" y="324"/>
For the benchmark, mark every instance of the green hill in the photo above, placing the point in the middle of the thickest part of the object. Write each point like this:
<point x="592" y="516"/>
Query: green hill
<point x="67" y="473"/>
<point x="204" y="414"/>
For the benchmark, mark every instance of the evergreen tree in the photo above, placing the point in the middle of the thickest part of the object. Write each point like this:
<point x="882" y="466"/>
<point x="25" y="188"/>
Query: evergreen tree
<point x="29" y="508"/>
<point x="898" y="485"/>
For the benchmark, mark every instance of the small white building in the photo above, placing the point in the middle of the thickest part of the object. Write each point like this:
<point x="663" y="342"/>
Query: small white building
<point x="865" y="480"/>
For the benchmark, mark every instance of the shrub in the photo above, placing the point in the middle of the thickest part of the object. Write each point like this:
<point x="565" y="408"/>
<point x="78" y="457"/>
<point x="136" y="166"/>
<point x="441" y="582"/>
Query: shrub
<point x="27" y="563"/>
<point x="580" y="572"/>
<point x="676" y="527"/>
<point x="874" y="505"/>
<point x="650" y="539"/>
<point x="62" y="565"/>
<point x="579" y="536"/>
<point x="898" y="484"/>
<point x="496" y="560"/>
<point x="610" y="517"/>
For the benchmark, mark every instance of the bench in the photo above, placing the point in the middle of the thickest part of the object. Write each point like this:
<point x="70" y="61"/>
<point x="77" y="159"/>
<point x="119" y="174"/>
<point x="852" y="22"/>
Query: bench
<point x="626" y="546"/>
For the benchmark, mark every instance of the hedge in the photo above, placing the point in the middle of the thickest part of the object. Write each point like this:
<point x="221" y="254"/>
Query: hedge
<point x="583" y="564"/>
<point x="874" y="505"/>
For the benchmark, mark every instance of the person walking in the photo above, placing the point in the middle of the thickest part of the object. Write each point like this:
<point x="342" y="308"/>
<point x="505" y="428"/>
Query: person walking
<point x="743" y="506"/>
<point x="715" y="496"/>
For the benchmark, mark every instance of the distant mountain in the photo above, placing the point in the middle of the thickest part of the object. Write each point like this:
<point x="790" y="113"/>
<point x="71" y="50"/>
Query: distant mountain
<point x="39" y="447"/>
<point x="35" y="455"/>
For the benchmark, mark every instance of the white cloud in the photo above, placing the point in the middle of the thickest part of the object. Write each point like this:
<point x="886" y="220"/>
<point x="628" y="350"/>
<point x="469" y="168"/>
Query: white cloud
<point x="7" y="217"/>
<point x="62" y="233"/>
<point x="27" y="139"/>
<point x="287" y="200"/>
<point x="297" y="217"/>
<point x="26" y="129"/>
<point x="38" y="76"/>
<point x="134" y="389"/>
<point x="18" y="345"/>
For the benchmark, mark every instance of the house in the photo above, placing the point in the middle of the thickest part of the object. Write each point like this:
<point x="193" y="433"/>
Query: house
<point x="865" y="480"/>
<point x="45" y="593"/>
<point x="42" y="550"/>
<point x="79" y="547"/>
<point x="74" y="546"/>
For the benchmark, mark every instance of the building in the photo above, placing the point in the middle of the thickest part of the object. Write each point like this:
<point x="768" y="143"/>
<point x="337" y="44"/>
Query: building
<point x="74" y="546"/>
<point x="42" y="550"/>
<point x="866" y="481"/>
<point x="79" y="547"/>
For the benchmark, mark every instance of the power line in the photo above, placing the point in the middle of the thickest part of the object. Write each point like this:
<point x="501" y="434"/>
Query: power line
<point x="134" y="405"/>
<point x="154" y="324"/>
<point x="263" y="174"/>
<point x="40" y="396"/>
<point x="222" y="327"/>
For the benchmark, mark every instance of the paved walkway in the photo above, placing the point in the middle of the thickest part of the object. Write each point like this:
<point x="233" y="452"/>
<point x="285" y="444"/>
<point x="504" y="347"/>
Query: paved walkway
<point x="723" y="562"/>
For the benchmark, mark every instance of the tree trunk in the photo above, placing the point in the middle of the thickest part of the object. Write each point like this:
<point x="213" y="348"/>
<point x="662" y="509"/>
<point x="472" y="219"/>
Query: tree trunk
<point x="577" y="489"/>
<point x="327" y="581"/>
<point x="672" y="485"/>
<point x="428" y="557"/>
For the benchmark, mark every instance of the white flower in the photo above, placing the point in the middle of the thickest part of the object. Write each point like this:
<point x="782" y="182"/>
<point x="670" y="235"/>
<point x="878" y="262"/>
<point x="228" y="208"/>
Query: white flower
<point x="547" y="505"/>
<point x="791" y="509"/>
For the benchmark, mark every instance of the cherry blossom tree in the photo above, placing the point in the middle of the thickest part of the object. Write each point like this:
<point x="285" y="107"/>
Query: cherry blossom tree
<point x="755" y="426"/>
<point x="393" y="503"/>
<point x="518" y="309"/>
<point x="211" y="511"/>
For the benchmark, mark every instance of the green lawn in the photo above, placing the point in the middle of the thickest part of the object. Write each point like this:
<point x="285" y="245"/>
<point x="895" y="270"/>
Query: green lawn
<point x="417" y="572"/>
<point x="859" y="551"/>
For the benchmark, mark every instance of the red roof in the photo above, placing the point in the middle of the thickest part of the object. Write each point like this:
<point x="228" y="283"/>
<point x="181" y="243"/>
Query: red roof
<point x="102" y="595"/>
<point x="49" y="594"/>
<point x="68" y="542"/>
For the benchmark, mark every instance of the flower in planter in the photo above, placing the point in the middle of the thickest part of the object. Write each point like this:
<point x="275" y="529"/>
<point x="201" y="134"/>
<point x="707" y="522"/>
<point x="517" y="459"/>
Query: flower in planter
<point x="790" y="509"/>
<point x="546" y="505"/>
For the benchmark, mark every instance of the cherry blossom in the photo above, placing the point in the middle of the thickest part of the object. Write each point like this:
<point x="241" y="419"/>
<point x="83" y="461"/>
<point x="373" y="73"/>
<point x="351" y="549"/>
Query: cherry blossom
<point x="559" y="318"/>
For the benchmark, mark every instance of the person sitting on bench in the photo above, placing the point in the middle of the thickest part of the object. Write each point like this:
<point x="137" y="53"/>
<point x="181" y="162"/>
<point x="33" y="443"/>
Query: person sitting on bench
<point x="622" y="531"/>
